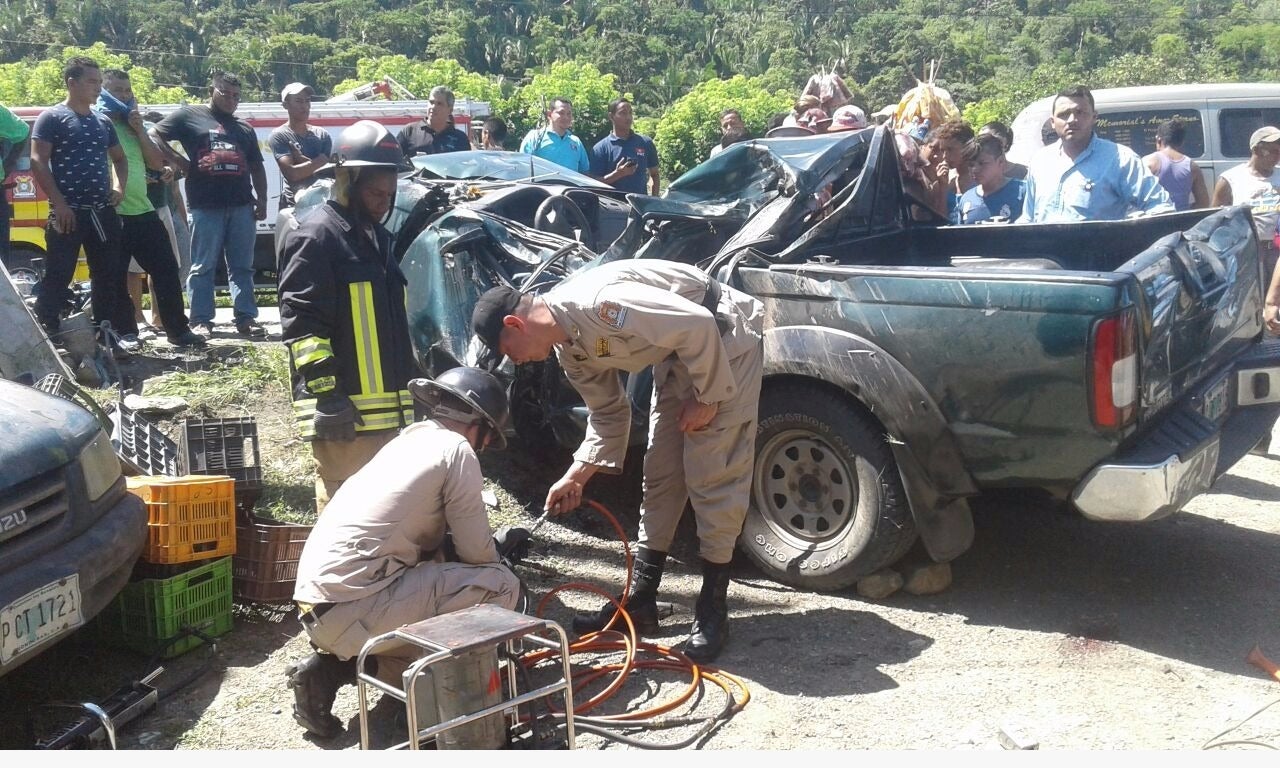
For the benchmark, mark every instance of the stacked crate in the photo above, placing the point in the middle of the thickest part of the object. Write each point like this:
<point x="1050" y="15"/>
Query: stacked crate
<point x="224" y="447"/>
<point x="265" y="565"/>
<point x="183" y="581"/>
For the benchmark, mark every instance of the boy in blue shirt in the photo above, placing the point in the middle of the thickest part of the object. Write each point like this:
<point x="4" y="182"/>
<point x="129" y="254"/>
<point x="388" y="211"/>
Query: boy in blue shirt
<point x="995" y="196"/>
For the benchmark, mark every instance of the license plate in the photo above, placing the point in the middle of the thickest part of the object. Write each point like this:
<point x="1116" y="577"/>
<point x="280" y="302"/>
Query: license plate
<point x="1214" y="404"/>
<point x="38" y="616"/>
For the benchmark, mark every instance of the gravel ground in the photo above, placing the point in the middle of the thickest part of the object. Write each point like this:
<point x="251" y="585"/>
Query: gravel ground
<point x="1064" y="633"/>
<point x="1059" y="632"/>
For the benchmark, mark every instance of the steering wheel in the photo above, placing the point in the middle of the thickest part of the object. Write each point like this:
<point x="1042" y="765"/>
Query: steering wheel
<point x="568" y="216"/>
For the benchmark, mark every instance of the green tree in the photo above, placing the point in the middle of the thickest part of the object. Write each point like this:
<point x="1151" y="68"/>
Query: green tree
<point x="420" y="77"/>
<point x="41" y="85"/>
<point x="588" y="88"/>
<point x="687" y="131"/>
<point x="265" y="63"/>
<point x="1253" y="49"/>
<point x="1012" y="89"/>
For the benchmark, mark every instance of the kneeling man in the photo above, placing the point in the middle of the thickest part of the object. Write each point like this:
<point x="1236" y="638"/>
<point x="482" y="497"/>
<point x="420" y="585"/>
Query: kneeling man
<point x="376" y="559"/>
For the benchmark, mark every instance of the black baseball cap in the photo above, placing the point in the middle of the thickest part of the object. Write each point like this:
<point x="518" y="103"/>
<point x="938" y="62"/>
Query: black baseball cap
<point x="493" y="305"/>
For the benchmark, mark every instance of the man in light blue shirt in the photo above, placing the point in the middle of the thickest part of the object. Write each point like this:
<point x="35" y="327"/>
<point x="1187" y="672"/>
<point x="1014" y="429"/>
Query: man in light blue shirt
<point x="556" y="143"/>
<point x="1083" y="177"/>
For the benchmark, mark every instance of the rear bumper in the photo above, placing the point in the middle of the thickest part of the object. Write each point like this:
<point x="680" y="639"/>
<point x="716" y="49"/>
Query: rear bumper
<point x="1188" y="448"/>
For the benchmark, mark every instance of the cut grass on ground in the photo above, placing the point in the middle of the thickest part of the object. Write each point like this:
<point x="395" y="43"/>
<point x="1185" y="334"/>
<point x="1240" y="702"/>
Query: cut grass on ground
<point x="227" y="384"/>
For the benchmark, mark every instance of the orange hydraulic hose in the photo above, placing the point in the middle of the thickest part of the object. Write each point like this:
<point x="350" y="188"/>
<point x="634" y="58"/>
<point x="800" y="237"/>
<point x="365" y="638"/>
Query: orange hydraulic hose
<point x="1259" y="660"/>
<point x="613" y="639"/>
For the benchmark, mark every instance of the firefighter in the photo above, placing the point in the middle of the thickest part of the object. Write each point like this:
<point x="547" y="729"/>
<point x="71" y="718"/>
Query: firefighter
<point x="342" y="313"/>
<point x="378" y="559"/>
<point x="703" y="340"/>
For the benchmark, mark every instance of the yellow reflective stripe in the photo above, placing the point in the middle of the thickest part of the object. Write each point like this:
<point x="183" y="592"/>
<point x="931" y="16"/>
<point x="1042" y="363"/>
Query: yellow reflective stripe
<point x="309" y="350"/>
<point x="304" y="412"/>
<point x="362" y="323"/>
<point x="374" y="421"/>
<point x="319" y="386"/>
<point x="408" y="415"/>
<point x="376" y="400"/>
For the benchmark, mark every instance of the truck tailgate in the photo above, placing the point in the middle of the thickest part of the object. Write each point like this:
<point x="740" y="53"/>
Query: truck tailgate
<point x="1200" y="304"/>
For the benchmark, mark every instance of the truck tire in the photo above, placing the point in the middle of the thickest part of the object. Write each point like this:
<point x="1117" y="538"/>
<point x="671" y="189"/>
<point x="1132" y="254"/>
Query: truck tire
<point x="535" y="433"/>
<point x="827" y="504"/>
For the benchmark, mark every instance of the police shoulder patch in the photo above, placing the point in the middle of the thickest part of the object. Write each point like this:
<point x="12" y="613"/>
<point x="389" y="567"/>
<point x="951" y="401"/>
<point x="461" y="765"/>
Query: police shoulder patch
<point x="611" y="314"/>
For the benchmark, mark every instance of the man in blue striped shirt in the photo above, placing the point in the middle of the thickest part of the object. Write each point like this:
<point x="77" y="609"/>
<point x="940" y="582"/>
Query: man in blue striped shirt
<point x="1083" y="177"/>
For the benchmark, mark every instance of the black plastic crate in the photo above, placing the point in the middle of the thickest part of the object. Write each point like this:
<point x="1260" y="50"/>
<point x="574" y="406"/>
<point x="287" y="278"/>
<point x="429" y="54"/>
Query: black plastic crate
<point x="223" y="447"/>
<point x="141" y="445"/>
<point x="57" y="384"/>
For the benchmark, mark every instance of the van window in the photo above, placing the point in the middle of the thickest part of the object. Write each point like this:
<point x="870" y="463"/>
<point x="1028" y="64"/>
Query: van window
<point x="1137" y="129"/>
<point x="1236" y="125"/>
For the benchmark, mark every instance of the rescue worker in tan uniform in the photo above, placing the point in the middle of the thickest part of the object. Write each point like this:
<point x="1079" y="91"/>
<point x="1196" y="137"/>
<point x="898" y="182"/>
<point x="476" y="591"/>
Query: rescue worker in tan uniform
<point x="376" y="560"/>
<point x="703" y="340"/>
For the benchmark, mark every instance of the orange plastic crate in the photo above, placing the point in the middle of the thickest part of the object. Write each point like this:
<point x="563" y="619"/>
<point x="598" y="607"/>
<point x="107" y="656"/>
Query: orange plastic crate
<point x="192" y="517"/>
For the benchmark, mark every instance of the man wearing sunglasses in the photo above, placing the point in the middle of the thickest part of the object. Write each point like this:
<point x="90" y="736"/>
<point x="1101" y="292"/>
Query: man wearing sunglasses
<point x="227" y="193"/>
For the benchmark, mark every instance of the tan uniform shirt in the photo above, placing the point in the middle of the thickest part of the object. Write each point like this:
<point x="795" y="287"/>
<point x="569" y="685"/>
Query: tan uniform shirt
<point x="627" y="315"/>
<point x="393" y="514"/>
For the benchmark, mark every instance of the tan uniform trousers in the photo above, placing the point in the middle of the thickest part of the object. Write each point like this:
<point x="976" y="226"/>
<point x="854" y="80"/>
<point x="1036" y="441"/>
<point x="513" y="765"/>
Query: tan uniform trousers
<point x="710" y="467"/>
<point x="337" y="460"/>
<point x="428" y="589"/>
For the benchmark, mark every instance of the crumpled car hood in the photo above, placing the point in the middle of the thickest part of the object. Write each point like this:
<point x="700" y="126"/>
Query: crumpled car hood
<point x="460" y="256"/>
<point x="758" y="186"/>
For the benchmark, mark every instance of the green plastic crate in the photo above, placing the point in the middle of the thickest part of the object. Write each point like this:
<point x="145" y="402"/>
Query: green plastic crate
<point x="151" y="612"/>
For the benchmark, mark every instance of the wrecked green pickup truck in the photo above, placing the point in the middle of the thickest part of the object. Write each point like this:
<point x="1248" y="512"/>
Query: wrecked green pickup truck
<point x="910" y="366"/>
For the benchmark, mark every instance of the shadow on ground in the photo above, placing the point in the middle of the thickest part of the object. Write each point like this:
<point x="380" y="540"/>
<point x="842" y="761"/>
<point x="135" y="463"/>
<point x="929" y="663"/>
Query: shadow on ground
<point x="1189" y="587"/>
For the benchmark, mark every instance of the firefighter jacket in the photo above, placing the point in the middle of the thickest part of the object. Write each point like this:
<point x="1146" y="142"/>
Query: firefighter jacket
<point x="343" y="319"/>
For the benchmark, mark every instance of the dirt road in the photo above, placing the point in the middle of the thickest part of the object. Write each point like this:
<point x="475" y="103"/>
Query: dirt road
<point x="1065" y="633"/>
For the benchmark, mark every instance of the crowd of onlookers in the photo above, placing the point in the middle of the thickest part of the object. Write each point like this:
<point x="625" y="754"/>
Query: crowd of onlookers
<point x="952" y="173"/>
<point x="111" y="176"/>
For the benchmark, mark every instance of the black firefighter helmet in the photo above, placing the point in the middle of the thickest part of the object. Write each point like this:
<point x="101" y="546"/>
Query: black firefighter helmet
<point x="367" y="144"/>
<point x="475" y="387"/>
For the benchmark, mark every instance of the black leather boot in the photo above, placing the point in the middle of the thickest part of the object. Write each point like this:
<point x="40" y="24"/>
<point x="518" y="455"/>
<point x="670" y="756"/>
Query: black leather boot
<point x="315" y="682"/>
<point x="642" y="605"/>
<point x="711" y="615"/>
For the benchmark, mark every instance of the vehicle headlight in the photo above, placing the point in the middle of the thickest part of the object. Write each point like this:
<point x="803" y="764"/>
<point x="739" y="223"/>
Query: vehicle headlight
<point x="100" y="465"/>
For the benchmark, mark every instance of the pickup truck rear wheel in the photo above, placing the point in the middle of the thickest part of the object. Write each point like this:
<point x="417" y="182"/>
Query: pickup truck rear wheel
<point x="827" y="504"/>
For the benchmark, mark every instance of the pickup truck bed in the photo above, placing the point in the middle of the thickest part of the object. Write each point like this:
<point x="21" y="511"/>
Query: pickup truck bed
<point x="1119" y="365"/>
<point x="912" y="366"/>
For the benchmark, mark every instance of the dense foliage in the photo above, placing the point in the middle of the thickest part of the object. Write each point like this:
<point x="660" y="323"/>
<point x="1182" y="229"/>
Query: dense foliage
<point x="680" y="60"/>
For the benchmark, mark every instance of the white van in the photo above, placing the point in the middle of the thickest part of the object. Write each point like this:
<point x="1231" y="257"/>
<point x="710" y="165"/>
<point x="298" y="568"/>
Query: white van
<point x="1219" y="118"/>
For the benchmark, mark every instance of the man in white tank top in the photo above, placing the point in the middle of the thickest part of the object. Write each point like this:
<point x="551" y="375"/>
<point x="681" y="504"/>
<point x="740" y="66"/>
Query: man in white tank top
<point x="1256" y="183"/>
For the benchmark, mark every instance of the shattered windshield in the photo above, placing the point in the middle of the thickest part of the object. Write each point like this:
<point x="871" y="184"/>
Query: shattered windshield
<point x="751" y="172"/>
<point x="500" y="166"/>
